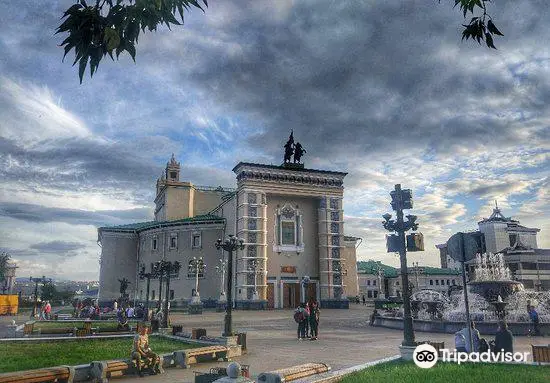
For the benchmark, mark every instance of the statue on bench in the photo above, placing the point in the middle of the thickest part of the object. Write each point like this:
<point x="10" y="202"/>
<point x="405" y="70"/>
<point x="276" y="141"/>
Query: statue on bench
<point x="142" y="355"/>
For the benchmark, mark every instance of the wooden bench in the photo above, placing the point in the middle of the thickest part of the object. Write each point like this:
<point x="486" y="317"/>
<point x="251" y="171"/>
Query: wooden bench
<point x="28" y="328"/>
<point x="52" y="374"/>
<point x="293" y="373"/>
<point x="185" y="358"/>
<point x="103" y="370"/>
<point x="541" y="354"/>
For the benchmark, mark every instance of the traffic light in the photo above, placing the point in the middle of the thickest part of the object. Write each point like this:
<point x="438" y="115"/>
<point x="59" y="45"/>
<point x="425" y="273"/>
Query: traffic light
<point x="392" y="243"/>
<point x="415" y="242"/>
<point x="403" y="200"/>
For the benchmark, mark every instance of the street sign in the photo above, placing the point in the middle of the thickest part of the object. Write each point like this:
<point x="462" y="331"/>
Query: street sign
<point x="460" y="252"/>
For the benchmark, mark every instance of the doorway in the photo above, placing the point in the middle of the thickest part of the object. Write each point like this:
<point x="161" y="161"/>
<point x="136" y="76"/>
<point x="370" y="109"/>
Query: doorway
<point x="291" y="295"/>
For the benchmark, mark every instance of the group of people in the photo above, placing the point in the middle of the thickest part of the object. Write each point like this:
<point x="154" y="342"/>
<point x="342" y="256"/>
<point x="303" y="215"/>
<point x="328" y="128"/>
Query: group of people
<point x="45" y="311"/>
<point x="307" y="317"/>
<point x="503" y="342"/>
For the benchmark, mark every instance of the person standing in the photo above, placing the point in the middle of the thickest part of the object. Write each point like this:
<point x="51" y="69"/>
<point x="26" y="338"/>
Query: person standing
<point x="475" y="338"/>
<point x="306" y="322"/>
<point x="47" y="310"/>
<point x="314" y="319"/>
<point x="364" y="300"/>
<point x="534" y="315"/>
<point x="504" y="340"/>
<point x="300" y="318"/>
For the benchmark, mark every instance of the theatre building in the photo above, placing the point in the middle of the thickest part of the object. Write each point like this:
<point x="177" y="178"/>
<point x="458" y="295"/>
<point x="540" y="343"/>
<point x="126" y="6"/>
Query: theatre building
<point x="289" y="217"/>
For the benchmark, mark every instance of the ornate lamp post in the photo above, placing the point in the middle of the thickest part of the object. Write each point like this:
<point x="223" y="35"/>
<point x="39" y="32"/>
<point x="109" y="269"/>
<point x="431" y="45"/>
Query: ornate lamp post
<point x="230" y="245"/>
<point x="197" y="267"/>
<point x="220" y="268"/>
<point x="148" y="276"/>
<point x="380" y="273"/>
<point x="253" y="268"/>
<point x="402" y="199"/>
<point x="36" y="281"/>
<point x="304" y="284"/>
<point x="165" y="269"/>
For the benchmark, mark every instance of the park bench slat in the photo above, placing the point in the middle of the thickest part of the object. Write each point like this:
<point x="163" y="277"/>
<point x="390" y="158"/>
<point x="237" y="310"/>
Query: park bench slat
<point x="541" y="354"/>
<point x="294" y="373"/>
<point x="36" y="376"/>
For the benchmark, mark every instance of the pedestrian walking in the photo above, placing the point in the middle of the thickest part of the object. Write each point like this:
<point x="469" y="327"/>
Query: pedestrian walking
<point x="364" y="300"/>
<point x="47" y="310"/>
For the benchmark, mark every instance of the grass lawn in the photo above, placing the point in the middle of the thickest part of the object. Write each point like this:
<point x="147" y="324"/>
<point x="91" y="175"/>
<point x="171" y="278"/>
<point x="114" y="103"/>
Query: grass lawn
<point x="408" y="372"/>
<point x="17" y="356"/>
<point x="101" y="324"/>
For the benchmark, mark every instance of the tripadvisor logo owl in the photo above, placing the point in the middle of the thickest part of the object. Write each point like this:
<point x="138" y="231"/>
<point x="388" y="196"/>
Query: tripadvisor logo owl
<point x="425" y="356"/>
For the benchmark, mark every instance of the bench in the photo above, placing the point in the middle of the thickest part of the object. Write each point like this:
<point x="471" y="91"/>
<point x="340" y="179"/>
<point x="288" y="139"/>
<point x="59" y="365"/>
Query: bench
<point x="28" y="328"/>
<point x="185" y="358"/>
<point x="103" y="370"/>
<point x="541" y="354"/>
<point x="52" y="374"/>
<point x="437" y="345"/>
<point x="293" y="373"/>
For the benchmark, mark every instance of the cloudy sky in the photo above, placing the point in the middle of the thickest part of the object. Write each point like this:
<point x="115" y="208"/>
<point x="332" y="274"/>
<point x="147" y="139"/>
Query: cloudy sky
<point x="384" y="90"/>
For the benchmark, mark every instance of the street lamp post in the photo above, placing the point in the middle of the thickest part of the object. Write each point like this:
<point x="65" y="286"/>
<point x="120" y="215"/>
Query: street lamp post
<point x="165" y="269"/>
<point x="197" y="266"/>
<point x="148" y="276"/>
<point x="220" y="268"/>
<point x="402" y="199"/>
<point x="36" y="281"/>
<point x="230" y="245"/>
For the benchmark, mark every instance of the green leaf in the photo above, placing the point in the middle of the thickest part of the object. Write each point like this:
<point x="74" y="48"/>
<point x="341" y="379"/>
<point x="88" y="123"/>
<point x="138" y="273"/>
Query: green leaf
<point x="489" y="41"/>
<point x="131" y="49"/>
<point x="111" y="38"/>
<point x="82" y="67"/>
<point x="493" y="28"/>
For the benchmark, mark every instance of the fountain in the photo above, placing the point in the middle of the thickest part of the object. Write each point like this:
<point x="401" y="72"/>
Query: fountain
<point x="493" y="296"/>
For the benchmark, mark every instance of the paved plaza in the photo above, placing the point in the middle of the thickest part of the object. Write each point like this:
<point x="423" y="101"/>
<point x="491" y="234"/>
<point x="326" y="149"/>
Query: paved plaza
<point x="345" y="340"/>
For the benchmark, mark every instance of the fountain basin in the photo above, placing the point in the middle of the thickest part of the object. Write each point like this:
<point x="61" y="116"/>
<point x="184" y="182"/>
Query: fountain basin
<point x="485" y="328"/>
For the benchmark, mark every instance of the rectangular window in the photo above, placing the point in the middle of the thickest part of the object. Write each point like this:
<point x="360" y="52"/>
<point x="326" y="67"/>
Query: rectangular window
<point x="431" y="282"/>
<point x="335" y="253"/>
<point x="375" y="294"/>
<point x="335" y="240"/>
<point x="369" y="294"/>
<point x="442" y="282"/>
<point x="374" y="282"/>
<point x="288" y="233"/>
<point x="252" y="225"/>
<point x="171" y="294"/>
<point x="252" y="198"/>
<point x="334" y="203"/>
<point x="335" y="216"/>
<point x="448" y="282"/>
<point x="453" y="282"/>
<point x="437" y="282"/>
<point x="323" y="203"/>
<point x="252" y="211"/>
<point x="334" y="228"/>
<point x="140" y="294"/>
<point x="153" y="295"/>
<point x="154" y="243"/>
<point x="368" y="282"/>
<point x="252" y="237"/>
<point x="173" y="241"/>
<point x="196" y="240"/>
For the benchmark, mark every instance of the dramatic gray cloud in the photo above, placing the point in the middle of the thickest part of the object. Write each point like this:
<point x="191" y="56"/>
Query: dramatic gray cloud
<point x="60" y="248"/>
<point x="38" y="213"/>
<point x="383" y="90"/>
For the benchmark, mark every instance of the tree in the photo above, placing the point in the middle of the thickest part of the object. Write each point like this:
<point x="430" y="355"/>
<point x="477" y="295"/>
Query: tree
<point x="481" y="27"/>
<point x="114" y="25"/>
<point x="4" y="259"/>
<point x="48" y="291"/>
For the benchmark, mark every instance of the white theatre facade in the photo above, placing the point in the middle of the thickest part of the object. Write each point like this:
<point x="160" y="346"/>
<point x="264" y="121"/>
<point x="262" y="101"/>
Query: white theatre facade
<point x="291" y="221"/>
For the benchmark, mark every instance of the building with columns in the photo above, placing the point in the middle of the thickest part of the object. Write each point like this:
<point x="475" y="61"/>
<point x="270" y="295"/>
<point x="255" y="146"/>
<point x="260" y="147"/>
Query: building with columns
<point x="290" y="218"/>
<point x="527" y="262"/>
